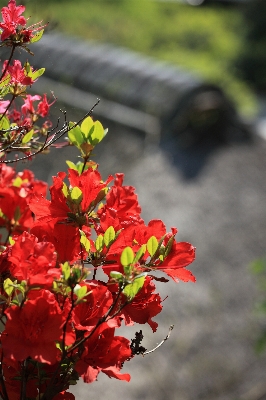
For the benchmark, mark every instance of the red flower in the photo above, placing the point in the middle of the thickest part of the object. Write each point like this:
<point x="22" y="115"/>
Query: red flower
<point x="44" y="106"/>
<point x="87" y="315"/>
<point x="143" y="307"/>
<point x="28" y="104"/>
<point x="122" y="208"/>
<point x="12" y="18"/>
<point x="32" y="330"/>
<point x="15" y="191"/>
<point x="64" y="396"/>
<point x="181" y="255"/>
<point x="17" y="74"/>
<point x="60" y="219"/>
<point x="104" y="352"/>
<point x="33" y="262"/>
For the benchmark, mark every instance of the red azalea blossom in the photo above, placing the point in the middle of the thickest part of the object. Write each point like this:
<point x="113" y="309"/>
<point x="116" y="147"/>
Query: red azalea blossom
<point x="12" y="18"/>
<point x="122" y="208"/>
<point x="28" y="104"/>
<point x="32" y="330"/>
<point x="64" y="396"/>
<point x="33" y="262"/>
<point x="17" y="74"/>
<point x="15" y="192"/>
<point x="86" y="315"/>
<point x="182" y="254"/>
<point x="44" y="106"/>
<point x="104" y="352"/>
<point x="143" y="307"/>
<point x="60" y="219"/>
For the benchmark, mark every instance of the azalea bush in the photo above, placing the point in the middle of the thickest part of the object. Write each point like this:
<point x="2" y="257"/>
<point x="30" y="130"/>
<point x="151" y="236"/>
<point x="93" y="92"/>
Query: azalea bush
<point x="59" y="320"/>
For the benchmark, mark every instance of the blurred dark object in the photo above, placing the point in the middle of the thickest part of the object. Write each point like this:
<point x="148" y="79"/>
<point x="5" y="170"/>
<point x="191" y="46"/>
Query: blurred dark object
<point x="252" y="62"/>
<point x="156" y="98"/>
<point x="223" y="2"/>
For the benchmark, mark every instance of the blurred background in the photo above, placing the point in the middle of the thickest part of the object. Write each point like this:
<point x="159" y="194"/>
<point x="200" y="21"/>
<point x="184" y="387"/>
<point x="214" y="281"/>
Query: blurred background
<point x="182" y="87"/>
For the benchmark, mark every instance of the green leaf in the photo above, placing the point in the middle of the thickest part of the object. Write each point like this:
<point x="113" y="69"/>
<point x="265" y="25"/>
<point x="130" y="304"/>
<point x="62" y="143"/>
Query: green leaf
<point x="66" y="270"/>
<point x="109" y="236"/>
<point x="86" y="126"/>
<point x="28" y="136"/>
<point x="65" y="190"/>
<point x="17" y="182"/>
<point x="128" y="270"/>
<point x="80" y="292"/>
<point x="4" y="91"/>
<point x="37" y="36"/>
<point x="11" y="241"/>
<point x="127" y="256"/>
<point x="27" y="68"/>
<point x="132" y="289"/>
<point x="8" y="286"/>
<point x="99" y="243"/>
<point x="169" y="246"/>
<point x="76" y="195"/>
<point x="116" y="275"/>
<point x="4" y="123"/>
<point x="75" y="135"/>
<point x="140" y="253"/>
<point x="36" y="74"/>
<point x="5" y="81"/>
<point x="152" y="245"/>
<point x="85" y="242"/>
<point x="97" y="134"/>
<point x="79" y="166"/>
<point x="72" y="165"/>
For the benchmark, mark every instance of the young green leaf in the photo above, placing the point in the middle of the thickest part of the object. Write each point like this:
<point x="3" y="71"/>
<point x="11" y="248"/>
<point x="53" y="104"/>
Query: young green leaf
<point x="116" y="275"/>
<point x="169" y="246"/>
<point x="80" y="292"/>
<point x="5" y="81"/>
<point x="85" y="243"/>
<point x="8" y="286"/>
<point x="4" y="123"/>
<point x="36" y="74"/>
<point x="127" y="256"/>
<point x="28" y="136"/>
<point x="152" y="245"/>
<point x="75" y="135"/>
<point x="140" y="253"/>
<point x="66" y="270"/>
<point x="132" y="289"/>
<point x="37" y="36"/>
<point x="76" y="195"/>
<point x="86" y="126"/>
<point x="97" y="134"/>
<point x="71" y="165"/>
<point x="109" y="236"/>
<point x="99" y="243"/>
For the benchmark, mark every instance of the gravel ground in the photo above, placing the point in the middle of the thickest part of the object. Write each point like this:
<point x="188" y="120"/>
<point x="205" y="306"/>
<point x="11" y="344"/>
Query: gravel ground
<point x="216" y="197"/>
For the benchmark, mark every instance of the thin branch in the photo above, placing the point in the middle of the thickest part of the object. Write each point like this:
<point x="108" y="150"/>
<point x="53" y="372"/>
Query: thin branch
<point x="8" y="62"/>
<point x="2" y="381"/>
<point x="161" y="343"/>
<point x="56" y="136"/>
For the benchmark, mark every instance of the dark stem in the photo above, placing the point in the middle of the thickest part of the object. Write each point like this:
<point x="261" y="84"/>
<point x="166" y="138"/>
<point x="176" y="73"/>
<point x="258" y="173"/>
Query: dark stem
<point x="2" y="382"/>
<point x="8" y="62"/>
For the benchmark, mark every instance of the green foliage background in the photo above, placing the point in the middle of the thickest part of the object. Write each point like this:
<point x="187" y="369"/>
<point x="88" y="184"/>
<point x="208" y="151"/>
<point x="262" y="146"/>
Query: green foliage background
<point x="206" y="39"/>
